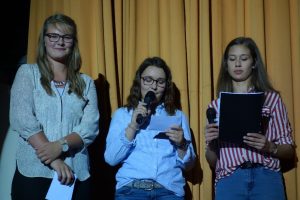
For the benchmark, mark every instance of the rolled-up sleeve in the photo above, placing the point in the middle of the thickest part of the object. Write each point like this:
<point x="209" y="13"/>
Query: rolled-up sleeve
<point x="280" y="123"/>
<point x="88" y="128"/>
<point x="22" y="115"/>
<point x="117" y="145"/>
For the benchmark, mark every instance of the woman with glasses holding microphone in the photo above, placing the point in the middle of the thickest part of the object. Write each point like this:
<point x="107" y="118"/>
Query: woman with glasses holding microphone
<point x="54" y="111"/>
<point x="152" y="158"/>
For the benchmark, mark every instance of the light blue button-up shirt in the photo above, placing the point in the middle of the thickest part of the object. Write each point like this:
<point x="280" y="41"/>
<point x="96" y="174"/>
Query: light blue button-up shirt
<point x="146" y="157"/>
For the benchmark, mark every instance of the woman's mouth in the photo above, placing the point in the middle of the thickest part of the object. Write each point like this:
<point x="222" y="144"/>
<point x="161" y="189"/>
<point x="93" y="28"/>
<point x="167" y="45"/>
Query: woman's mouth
<point x="238" y="72"/>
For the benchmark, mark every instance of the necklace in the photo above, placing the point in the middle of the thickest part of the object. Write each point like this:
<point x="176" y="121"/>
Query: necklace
<point x="59" y="83"/>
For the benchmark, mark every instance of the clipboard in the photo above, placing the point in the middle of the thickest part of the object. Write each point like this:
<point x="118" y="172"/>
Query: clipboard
<point x="240" y="113"/>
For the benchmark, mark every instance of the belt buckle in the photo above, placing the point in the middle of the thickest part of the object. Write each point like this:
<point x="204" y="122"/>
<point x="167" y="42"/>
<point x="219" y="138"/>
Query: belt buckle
<point x="149" y="185"/>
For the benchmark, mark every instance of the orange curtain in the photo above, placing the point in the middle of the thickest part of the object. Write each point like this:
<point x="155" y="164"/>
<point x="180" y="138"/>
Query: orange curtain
<point x="115" y="36"/>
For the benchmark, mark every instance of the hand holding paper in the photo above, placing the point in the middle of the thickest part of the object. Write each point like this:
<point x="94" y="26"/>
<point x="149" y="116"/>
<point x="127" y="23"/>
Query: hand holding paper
<point x="59" y="191"/>
<point x="162" y="124"/>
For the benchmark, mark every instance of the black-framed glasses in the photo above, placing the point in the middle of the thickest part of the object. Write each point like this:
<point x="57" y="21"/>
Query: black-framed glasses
<point x="54" y="37"/>
<point x="160" y="82"/>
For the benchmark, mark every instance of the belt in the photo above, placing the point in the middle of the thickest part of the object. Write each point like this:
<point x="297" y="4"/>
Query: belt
<point x="144" y="184"/>
<point x="248" y="165"/>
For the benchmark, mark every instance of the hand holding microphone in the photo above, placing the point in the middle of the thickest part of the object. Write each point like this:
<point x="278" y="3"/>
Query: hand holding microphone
<point x="211" y="115"/>
<point x="139" y="120"/>
<point x="149" y="99"/>
<point x="211" y="130"/>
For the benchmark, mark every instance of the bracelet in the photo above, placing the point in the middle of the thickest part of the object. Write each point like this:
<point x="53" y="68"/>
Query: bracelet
<point x="212" y="145"/>
<point x="275" y="149"/>
<point x="184" y="146"/>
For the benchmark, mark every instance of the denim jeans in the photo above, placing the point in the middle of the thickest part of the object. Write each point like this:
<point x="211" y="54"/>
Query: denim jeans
<point x="129" y="193"/>
<point x="251" y="184"/>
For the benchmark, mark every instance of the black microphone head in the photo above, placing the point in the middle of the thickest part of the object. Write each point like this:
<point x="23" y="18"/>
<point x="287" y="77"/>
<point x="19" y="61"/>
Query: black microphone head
<point x="211" y="115"/>
<point x="149" y="97"/>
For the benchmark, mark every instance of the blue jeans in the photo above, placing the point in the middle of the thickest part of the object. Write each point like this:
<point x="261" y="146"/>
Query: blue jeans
<point x="129" y="193"/>
<point x="251" y="184"/>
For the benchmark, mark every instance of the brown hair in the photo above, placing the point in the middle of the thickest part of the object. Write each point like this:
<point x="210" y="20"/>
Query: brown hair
<point x="135" y="91"/>
<point x="259" y="76"/>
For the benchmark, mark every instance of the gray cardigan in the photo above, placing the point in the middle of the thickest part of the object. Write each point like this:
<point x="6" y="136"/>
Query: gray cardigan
<point x="32" y="110"/>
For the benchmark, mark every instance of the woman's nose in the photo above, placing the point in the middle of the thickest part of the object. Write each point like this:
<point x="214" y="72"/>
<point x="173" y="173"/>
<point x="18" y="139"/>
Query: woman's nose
<point x="154" y="85"/>
<point x="61" y="41"/>
<point x="238" y="63"/>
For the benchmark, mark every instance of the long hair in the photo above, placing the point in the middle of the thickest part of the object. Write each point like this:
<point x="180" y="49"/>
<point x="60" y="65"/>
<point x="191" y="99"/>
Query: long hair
<point x="259" y="76"/>
<point x="73" y="61"/>
<point x="135" y="91"/>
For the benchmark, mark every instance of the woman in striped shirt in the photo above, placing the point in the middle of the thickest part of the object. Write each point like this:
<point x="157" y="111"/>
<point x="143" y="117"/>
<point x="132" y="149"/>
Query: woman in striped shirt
<point x="251" y="170"/>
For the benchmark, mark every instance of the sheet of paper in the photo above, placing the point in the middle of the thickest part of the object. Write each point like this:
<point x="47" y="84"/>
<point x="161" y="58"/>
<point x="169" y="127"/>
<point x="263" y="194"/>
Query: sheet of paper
<point x="163" y="123"/>
<point x="59" y="191"/>
<point x="240" y="113"/>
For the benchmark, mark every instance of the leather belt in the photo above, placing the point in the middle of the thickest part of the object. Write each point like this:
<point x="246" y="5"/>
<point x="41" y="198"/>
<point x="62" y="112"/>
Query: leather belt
<point x="249" y="165"/>
<point x="144" y="184"/>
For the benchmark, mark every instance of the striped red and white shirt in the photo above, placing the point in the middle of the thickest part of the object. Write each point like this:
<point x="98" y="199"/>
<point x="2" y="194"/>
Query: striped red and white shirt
<point x="278" y="130"/>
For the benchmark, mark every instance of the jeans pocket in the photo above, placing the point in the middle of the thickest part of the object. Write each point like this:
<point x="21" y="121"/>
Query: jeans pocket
<point x="123" y="191"/>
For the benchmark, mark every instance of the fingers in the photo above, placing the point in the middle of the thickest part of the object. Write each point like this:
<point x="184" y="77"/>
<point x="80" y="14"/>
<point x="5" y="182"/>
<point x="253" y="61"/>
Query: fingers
<point x="143" y="110"/>
<point x="211" y="132"/>
<point x="47" y="162"/>
<point x="211" y="137"/>
<point x="210" y="128"/>
<point x="140" y="109"/>
<point x="48" y="152"/>
<point x="253" y="144"/>
<point x="67" y="176"/>
<point x="44" y="157"/>
<point x="64" y="172"/>
<point x="255" y="140"/>
<point x="175" y="134"/>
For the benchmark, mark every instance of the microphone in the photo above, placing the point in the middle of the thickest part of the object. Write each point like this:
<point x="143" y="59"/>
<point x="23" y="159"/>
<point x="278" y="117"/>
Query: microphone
<point x="149" y="98"/>
<point x="211" y="115"/>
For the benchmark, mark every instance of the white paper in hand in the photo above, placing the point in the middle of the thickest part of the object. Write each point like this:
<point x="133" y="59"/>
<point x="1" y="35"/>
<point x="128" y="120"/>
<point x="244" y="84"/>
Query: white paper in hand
<point x="162" y="123"/>
<point x="59" y="191"/>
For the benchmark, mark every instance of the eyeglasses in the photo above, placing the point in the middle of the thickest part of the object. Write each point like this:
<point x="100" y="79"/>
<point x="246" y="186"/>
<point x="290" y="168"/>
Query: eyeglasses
<point x="54" y="37"/>
<point x="160" y="82"/>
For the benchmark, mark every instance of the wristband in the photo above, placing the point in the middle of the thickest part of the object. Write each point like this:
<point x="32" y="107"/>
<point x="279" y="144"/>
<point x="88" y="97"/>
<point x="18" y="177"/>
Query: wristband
<point x="184" y="146"/>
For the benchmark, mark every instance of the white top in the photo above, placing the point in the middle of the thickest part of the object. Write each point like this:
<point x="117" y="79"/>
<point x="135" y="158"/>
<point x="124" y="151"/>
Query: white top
<point x="32" y="110"/>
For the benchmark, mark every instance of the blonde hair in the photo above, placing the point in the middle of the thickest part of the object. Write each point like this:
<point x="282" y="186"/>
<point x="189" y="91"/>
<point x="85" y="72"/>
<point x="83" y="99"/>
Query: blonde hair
<point x="73" y="63"/>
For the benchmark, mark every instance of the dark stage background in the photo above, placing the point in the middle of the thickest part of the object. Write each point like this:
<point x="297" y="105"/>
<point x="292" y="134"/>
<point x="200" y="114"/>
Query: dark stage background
<point x="14" y="34"/>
